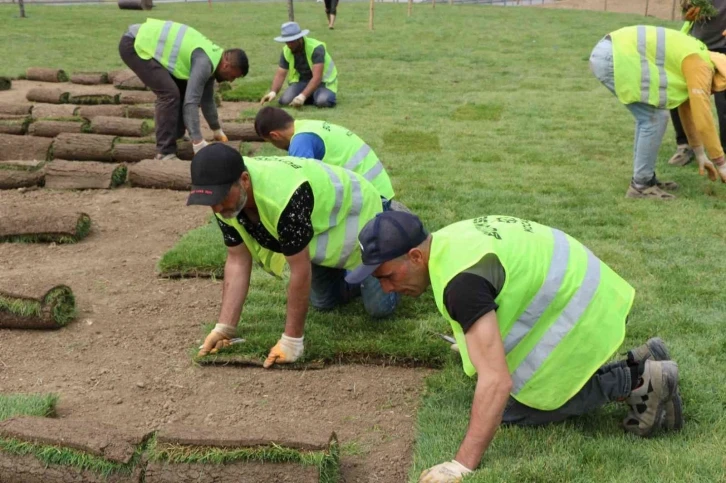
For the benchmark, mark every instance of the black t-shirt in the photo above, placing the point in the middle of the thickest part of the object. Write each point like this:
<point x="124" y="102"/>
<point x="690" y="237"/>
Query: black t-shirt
<point x="295" y="226"/>
<point x="468" y="297"/>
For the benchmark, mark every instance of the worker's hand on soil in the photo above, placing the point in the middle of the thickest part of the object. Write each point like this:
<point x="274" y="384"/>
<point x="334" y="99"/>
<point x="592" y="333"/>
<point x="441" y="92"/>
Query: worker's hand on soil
<point x="219" y="338"/>
<point x="220" y="136"/>
<point x="449" y="472"/>
<point x="692" y="14"/>
<point x="298" y="101"/>
<point x="199" y="146"/>
<point x="287" y="349"/>
<point x="705" y="166"/>
<point x="268" y="97"/>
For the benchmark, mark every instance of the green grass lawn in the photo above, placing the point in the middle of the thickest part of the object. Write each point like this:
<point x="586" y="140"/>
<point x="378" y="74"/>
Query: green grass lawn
<point x="481" y="110"/>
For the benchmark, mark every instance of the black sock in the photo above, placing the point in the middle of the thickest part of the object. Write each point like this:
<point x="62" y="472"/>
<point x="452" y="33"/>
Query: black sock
<point x="634" y="377"/>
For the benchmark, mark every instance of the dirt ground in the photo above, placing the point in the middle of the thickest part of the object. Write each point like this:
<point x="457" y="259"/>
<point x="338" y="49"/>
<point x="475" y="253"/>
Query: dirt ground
<point x="655" y="8"/>
<point x="125" y="360"/>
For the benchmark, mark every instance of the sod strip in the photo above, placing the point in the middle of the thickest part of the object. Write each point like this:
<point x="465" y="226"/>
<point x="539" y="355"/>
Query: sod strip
<point x="163" y="174"/>
<point x="93" y="98"/>
<point x="15" y="109"/>
<point x="53" y="111"/>
<point x="5" y="83"/>
<point x="22" y="165"/>
<point x="199" y="253"/>
<point x="131" y="82"/>
<point x="50" y="95"/>
<point x="178" y="454"/>
<point x="119" y="126"/>
<point x="89" y="78"/>
<point x="83" y="147"/>
<point x="117" y="75"/>
<point x="90" y="112"/>
<point x="140" y="111"/>
<point x="43" y="306"/>
<point x="81" y="175"/>
<point x="14" y="126"/>
<point x="46" y="225"/>
<point x="42" y="405"/>
<point x="51" y="129"/>
<point x="14" y="147"/>
<point x="141" y="97"/>
<point x="44" y="74"/>
<point x="17" y="178"/>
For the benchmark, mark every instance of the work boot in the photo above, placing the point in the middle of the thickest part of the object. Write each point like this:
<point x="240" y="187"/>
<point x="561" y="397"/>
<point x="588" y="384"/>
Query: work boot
<point x="166" y="157"/>
<point x="659" y="385"/>
<point x="645" y="191"/>
<point x="667" y="185"/>
<point x="656" y="350"/>
<point x="684" y="155"/>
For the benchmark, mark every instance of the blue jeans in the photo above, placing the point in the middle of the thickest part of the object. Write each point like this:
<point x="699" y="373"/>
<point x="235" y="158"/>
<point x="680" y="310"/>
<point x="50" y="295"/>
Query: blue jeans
<point x="322" y="97"/>
<point x="650" y="122"/>
<point x="329" y="290"/>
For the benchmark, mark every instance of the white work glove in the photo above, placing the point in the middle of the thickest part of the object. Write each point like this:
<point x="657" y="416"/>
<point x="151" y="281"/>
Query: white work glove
<point x="298" y="101"/>
<point x="449" y="472"/>
<point x="287" y="349"/>
<point x="219" y="338"/>
<point x="268" y="97"/>
<point x="199" y="146"/>
<point x="220" y="136"/>
<point x="705" y="166"/>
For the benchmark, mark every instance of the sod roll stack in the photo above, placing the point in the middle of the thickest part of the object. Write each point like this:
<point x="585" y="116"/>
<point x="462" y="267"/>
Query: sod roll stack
<point x="37" y="305"/>
<point x="14" y="124"/>
<point x="48" y="95"/>
<point x="44" y="74"/>
<point x="42" y="225"/>
<point x="89" y="78"/>
<point x="18" y="174"/>
<point x="83" y="175"/>
<point x="13" y="147"/>
<point x="52" y="128"/>
<point x="15" y="109"/>
<point x="119" y="126"/>
<point x="164" y="174"/>
<point x="83" y="147"/>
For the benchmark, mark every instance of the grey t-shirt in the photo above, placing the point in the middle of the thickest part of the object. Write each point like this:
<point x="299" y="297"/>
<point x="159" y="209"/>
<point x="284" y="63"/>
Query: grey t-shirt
<point x="710" y="32"/>
<point x="301" y="62"/>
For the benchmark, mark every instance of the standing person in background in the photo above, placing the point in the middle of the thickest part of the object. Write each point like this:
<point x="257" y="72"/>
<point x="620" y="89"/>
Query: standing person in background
<point x="331" y="9"/>
<point x="710" y="32"/>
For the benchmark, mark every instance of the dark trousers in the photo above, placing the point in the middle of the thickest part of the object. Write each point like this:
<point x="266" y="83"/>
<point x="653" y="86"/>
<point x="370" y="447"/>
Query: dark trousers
<point x="720" y="98"/>
<point x="331" y="6"/>
<point x="610" y="383"/>
<point x="169" y="115"/>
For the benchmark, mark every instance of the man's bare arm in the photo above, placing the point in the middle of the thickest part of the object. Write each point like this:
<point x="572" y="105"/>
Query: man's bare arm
<point x="298" y="293"/>
<point x="237" y="270"/>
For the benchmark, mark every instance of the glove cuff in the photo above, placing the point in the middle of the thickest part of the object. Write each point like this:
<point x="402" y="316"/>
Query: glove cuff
<point x="225" y="330"/>
<point x="218" y="132"/>
<point x="699" y="151"/>
<point x="463" y="469"/>
<point x="293" y="340"/>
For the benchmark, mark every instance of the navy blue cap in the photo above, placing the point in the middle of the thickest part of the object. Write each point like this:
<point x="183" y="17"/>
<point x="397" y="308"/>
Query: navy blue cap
<point x="214" y="169"/>
<point x="387" y="236"/>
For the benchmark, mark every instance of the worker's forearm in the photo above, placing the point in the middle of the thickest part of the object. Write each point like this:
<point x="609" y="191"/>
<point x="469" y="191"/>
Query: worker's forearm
<point x="490" y="399"/>
<point x="234" y="292"/>
<point x="312" y="85"/>
<point x="699" y="75"/>
<point x="209" y="108"/>
<point x="278" y="80"/>
<point x="684" y="112"/>
<point x="298" y="292"/>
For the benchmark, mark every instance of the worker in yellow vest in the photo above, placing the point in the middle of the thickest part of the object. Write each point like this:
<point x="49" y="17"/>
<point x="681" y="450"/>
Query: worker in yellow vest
<point x="309" y="69"/>
<point x="536" y="316"/>
<point x="180" y="65"/>
<point x="330" y="143"/>
<point x="279" y="210"/>
<point x="654" y="69"/>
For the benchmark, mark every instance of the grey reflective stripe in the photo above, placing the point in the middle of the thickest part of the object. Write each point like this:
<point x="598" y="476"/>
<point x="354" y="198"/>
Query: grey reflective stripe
<point x="322" y="245"/>
<point x="358" y="157"/>
<point x="175" y="48"/>
<point x="351" y="221"/>
<point x="660" y="53"/>
<point x="644" y="70"/>
<point x="562" y="326"/>
<point x="329" y="72"/>
<point x="161" y="43"/>
<point x="374" y="171"/>
<point x="546" y="293"/>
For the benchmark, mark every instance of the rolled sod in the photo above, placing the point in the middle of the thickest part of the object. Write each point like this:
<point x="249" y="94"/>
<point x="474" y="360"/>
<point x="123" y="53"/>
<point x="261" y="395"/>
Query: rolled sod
<point x="131" y="82"/>
<point x="140" y="111"/>
<point x="15" y="109"/>
<point x="140" y="97"/>
<point x="163" y="174"/>
<point x="89" y="78"/>
<point x="135" y="4"/>
<point x="53" y="111"/>
<point x="115" y="76"/>
<point x="40" y="226"/>
<point x="16" y="178"/>
<point x="50" y="95"/>
<point x="46" y="75"/>
<point x="83" y="147"/>
<point x="51" y="129"/>
<point x="14" y="126"/>
<point x="125" y="151"/>
<point x="241" y="132"/>
<point x="93" y="98"/>
<point x="89" y="112"/>
<point x="5" y="83"/>
<point x="43" y="306"/>
<point x="119" y="126"/>
<point x="81" y="175"/>
<point x="14" y="147"/>
<point x="22" y="165"/>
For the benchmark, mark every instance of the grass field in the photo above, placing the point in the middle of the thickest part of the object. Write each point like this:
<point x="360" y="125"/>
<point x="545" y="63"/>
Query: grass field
<point x="481" y="110"/>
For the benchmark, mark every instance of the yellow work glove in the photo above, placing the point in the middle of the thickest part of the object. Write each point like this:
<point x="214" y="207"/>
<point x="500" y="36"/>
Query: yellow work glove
<point x="299" y="100"/>
<point x="705" y="166"/>
<point x="199" y="146"/>
<point x="268" y="97"/>
<point x="220" y="136"/>
<point x="287" y="349"/>
<point x="217" y="339"/>
<point x="449" y="472"/>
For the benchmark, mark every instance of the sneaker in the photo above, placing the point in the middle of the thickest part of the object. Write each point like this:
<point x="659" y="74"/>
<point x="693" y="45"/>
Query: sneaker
<point x="647" y="401"/>
<point x="684" y="155"/>
<point x="656" y="350"/>
<point x="652" y="192"/>
<point x="166" y="157"/>
<point x="667" y="185"/>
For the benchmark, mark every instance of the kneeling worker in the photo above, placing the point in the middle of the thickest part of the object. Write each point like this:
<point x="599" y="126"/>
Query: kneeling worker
<point x="326" y="142"/>
<point x="180" y="66"/>
<point x="284" y="209"/>
<point x="536" y="316"/>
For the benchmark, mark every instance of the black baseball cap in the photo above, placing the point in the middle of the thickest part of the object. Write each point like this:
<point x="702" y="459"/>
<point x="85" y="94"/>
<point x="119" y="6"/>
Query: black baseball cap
<point x="214" y="169"/>
<point x="387" y="236"/>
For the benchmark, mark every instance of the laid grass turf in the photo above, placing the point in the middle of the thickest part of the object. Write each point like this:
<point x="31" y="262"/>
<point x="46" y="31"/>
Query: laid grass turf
<point x="560" y="153"/>
<point x="199" y="253"/>
<point x="41" y="405"/>
<point x="247" y="90"/>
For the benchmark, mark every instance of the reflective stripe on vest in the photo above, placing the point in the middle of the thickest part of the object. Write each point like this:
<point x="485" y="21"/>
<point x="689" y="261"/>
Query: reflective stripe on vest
<point x="329" y="72"/>
<point x="162" y="40"/>
<point x="358" y="158"/>
<point x="660" y="53"/>
<point x="175" y="48"/>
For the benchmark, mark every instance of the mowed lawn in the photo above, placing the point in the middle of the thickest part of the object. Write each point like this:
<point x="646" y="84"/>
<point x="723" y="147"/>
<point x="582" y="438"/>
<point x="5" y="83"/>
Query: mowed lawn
<point x="483" y="110"/>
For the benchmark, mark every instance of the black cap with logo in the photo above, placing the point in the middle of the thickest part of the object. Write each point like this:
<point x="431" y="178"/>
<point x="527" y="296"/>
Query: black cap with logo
<point x="214" y="169"/>
<point x="387" y="236"/>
